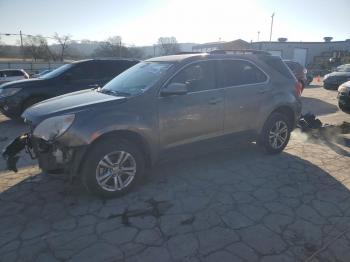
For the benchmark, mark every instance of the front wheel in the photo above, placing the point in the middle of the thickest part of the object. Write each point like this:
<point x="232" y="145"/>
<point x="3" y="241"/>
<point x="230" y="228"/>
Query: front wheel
<point x="112" y="168"/>
<point x="276" y="133"/>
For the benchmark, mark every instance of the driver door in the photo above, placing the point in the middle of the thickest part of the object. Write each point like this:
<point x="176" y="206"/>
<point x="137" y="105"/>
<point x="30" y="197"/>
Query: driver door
<point x="196" y="115"/>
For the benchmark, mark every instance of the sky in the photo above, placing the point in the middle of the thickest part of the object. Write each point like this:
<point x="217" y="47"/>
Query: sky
<point x="193" y="21"/>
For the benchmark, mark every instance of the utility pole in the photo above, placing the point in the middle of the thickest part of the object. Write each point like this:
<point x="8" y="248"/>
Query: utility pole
<point x="258" y="35"/>
<point x="22" y="50"/>
<point x="273" y="14"/>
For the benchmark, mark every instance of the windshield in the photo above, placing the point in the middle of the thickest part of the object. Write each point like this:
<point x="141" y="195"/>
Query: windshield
<point x="136" y="79"/>
<point x="56" y="72"/>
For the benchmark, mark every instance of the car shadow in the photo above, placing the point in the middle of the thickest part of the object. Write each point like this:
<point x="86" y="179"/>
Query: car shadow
<point x="265" y="203"/>
<point x="317" y="106"/>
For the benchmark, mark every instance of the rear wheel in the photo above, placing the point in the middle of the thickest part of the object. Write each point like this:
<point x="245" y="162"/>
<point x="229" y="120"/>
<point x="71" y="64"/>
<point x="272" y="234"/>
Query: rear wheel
<point x="112" y="168"/>
<point x="276" y="133"/>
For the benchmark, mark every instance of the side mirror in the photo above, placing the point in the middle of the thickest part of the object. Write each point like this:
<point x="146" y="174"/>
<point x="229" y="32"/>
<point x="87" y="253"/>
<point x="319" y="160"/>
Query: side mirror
<point x="174" y="89"/>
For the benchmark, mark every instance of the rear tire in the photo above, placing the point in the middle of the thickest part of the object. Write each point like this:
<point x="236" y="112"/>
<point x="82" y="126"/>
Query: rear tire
<point x="112" y="168"/>
<point x="275" y="134"/>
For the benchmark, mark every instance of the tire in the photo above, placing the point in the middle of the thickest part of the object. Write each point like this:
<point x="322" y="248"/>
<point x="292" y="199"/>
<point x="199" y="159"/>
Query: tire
<point x="31" y="101"/>
<point x="270" y="126"/>
<point x="95" y="168"/>
<point x="344" y="108"/>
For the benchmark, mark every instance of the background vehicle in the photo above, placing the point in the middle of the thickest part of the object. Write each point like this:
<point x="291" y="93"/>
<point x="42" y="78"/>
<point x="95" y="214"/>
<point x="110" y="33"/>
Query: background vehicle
<point x="8" y="75"/>
<point x="110" y="135"/>
<point x="299" y="71"/>
<point x="42" y="73"/>
<point x="335" y="79"/>
<point x="344" y="97"/>
<point x="16" y="96"/>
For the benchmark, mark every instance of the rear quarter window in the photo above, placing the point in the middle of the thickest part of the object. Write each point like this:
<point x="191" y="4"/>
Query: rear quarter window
<point x="278" y="65"/>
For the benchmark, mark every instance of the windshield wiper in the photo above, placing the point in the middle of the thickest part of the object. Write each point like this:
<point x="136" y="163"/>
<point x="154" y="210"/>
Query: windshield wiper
<point x="114" y="92"/>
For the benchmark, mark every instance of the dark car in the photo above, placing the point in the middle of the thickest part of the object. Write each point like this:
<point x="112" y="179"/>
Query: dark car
<point x="344" y="97"/>
<point x="335" y="79"/>
<point x="17" y="96"/>
<point x="300" y="72"/>
<point x="109" y="136"/>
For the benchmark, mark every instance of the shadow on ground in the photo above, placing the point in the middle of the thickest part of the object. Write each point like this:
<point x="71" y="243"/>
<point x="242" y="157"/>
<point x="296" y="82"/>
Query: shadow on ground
<point x="223" y="205"/>
<point x="317" y="106"/>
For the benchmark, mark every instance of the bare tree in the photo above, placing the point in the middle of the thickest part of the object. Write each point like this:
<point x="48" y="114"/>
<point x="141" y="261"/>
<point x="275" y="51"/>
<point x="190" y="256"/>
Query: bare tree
<point x="63" y="41"/>
<point x="168" y="45"/>
<point x="37" y="47"/>
<point x="112" y="47"/>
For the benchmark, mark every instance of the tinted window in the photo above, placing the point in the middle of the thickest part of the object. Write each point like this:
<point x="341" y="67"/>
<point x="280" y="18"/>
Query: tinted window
<point x="83" y="71"/>
<point x="110" y="69"/>
<point x="237" y="72"/>
<point x="198" y="77"/>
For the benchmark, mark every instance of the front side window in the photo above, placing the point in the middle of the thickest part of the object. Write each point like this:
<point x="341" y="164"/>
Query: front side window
<point x="198" y="76"/>
<point x="238" y="72"/>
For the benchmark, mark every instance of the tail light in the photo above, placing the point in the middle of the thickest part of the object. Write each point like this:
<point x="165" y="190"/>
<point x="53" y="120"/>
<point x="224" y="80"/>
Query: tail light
<point x="298" y="88"/>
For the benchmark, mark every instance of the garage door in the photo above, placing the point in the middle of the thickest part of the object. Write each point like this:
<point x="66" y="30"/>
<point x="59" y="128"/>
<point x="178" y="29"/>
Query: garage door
<point x="300" y="55"/>
<point x="276" y="53"/>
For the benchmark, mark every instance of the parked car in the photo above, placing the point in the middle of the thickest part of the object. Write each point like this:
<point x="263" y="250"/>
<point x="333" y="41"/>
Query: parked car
<point x="108" y="136"/>
<point x="344" y="97"/>
<point x="335" y="79"/>
<point x="16" y="96"/>
<point x="8" y="75"/>
<point x="300" y="72"/>
<point x="44" y="72"/>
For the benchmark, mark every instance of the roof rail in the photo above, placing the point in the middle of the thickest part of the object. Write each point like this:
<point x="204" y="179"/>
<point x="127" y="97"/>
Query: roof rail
<point x="240" y="51"/>
<point x="189" y="52"/>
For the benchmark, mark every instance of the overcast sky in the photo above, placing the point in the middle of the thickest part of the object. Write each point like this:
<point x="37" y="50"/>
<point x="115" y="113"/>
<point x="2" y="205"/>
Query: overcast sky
<point x="143" y="22"/>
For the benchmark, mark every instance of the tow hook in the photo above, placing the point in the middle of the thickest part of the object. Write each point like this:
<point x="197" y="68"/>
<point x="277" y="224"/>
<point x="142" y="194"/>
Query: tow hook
<point x="10" y="153"/>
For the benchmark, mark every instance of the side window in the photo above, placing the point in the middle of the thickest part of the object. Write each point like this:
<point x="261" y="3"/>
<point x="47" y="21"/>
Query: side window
<point x="84" y="71"/>
<point x="17" y="73"/>
<point x="198" y="77"/>
<point x="238" y="72"/>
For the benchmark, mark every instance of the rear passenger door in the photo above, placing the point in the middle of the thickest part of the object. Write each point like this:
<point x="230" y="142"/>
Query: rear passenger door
<point x="245" y="89"/>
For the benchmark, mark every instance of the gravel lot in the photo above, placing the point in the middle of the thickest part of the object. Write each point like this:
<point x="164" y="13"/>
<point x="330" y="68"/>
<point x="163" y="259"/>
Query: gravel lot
<point x="232" y="203"/>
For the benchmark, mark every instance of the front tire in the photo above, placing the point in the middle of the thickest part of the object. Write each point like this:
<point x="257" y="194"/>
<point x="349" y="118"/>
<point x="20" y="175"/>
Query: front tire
<point x="112" y="168"/>
<point x="276" y="133"/>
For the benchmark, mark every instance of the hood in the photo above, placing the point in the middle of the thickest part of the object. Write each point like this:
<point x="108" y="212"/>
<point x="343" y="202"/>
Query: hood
<point x="335" y="74"/>
<point x="69" y="103"/>
<point x="22" y="83"/>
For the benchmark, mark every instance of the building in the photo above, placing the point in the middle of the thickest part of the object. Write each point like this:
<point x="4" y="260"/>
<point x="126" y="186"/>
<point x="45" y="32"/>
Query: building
<point x="306" y="53"/>
<point x="303" y="52"/>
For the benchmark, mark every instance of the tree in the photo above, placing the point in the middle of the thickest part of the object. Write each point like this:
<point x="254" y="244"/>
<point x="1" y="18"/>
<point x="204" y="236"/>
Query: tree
<point x="37" y="48"/>
<point x="112" y="47"/>
<point x="63" y="41"/>
<point x="168" y="45"/>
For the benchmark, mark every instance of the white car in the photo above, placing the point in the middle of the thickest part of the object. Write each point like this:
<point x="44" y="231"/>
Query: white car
<point x="8" y="75"/>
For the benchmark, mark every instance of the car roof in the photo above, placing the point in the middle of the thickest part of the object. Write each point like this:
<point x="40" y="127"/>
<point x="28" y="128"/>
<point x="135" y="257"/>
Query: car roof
<point x="105" y="59"/>
<point x="199" y="56"/>
<point x="3" y="70"/>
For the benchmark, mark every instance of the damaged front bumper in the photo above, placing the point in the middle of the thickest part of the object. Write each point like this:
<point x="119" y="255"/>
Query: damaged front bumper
<point x="52" y="157"/>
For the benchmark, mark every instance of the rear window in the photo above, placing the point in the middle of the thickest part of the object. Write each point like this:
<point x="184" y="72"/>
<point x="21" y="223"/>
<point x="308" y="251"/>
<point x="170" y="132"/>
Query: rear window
<point x="278" y="65"/>
<point x="11" y="73"/>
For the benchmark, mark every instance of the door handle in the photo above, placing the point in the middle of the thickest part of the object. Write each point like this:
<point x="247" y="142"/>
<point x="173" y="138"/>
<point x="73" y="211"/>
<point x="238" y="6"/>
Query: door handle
<point x="215" y="101"/>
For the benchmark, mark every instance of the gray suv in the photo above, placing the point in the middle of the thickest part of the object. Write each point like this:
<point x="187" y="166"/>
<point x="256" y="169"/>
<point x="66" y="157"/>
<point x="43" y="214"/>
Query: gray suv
<point x="109" y="136"/>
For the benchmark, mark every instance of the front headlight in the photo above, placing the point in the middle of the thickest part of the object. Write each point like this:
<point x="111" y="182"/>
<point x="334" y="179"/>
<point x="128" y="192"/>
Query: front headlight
<point x="5" y="92"/>
<point x="325" y="77"/>
<point x="53" y="127"/>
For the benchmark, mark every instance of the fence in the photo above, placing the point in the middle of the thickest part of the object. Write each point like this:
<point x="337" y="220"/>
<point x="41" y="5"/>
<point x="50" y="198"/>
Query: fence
<point x="30" y="67"/>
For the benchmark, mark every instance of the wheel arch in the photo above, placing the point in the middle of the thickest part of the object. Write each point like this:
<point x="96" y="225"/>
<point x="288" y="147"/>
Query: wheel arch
<point x="128" y="135"/>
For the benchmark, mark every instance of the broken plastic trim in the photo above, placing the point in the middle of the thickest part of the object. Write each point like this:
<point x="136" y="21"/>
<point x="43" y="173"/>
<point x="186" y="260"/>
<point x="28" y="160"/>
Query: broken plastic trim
<point x="10" y="153"/>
